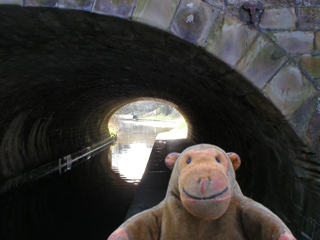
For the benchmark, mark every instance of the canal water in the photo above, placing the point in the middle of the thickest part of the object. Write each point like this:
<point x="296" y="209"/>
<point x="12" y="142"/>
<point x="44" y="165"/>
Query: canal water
<point x="87" y="202"/>
<point x="134" y="144"/>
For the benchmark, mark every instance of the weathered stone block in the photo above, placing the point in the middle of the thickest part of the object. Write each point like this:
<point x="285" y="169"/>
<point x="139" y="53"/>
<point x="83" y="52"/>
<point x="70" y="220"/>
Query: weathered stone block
<point x="15" y="2"/>
<point x="42" y="3"/>
<point x="262" y="60"/>
<point x="268" y="2"/>
<point x="311" y="63"/>
<point x="241" y="13"/>
<point x="306" y="122"/>
<point x="295" y="41"/>
<point x="218" y="3"/>
<point x="309" y="17"/>
<point x="281" y="2"/>
<point x="230" y="39"/>
<point x="193" y="20"/>
<point x="278" y="18"/>
<point x="76" y="4"/>
<point x="318" y="41"/>
<point x="289" y="89"/>
<point x="311" y="2"/>
<point x="233" y="1"/>
<point x="121" y="8"/>
<point x="156" y="13"/>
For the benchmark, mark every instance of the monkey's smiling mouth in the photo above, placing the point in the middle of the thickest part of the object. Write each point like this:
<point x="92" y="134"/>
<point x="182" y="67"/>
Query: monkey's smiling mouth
<point x="205" y="198"/>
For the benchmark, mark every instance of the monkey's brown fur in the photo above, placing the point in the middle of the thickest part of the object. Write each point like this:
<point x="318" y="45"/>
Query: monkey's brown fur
<point x="204" y="202"/>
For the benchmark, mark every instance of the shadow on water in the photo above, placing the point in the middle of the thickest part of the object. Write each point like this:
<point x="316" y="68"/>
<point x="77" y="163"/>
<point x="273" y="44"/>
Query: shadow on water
<point x="88" y="202"/>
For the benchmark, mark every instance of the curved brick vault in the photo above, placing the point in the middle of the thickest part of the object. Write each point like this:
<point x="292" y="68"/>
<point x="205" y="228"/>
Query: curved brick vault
<point x="64" y="72"/>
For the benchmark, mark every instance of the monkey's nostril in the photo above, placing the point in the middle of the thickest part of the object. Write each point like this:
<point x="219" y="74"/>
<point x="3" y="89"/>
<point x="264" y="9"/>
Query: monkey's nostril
<point x="206" y="179"/>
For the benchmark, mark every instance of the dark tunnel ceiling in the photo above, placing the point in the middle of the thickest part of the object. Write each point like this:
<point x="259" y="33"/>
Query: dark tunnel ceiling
<point x="63" y="73"/>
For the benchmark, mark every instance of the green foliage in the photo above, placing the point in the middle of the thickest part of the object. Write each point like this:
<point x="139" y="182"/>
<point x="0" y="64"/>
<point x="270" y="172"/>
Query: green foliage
<point x="113" y="132"/>
<point x="148" y="108"/>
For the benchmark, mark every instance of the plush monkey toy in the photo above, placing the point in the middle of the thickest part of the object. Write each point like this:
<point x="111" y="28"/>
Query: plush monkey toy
<point x="204" y="202"/>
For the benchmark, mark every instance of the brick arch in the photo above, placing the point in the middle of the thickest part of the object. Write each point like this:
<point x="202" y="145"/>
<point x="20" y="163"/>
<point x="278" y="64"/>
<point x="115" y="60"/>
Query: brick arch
<point x="259" y="66"/>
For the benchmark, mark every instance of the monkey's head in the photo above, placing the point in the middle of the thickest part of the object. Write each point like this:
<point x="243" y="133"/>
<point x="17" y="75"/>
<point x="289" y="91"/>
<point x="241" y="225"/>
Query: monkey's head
<point x="204" y="179"/>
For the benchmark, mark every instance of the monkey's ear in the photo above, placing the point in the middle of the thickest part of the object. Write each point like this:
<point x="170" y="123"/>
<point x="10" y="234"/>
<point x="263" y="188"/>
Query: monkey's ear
<point x="171" y="159"/>
<point x="235" y="159"/>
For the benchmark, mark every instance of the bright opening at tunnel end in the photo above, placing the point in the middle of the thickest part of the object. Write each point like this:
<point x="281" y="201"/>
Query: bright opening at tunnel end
<point x="136" y="127"/>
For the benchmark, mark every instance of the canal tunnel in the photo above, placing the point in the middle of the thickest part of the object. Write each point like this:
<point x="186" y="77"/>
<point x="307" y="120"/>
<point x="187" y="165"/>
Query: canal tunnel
<point x="65" y="72"/>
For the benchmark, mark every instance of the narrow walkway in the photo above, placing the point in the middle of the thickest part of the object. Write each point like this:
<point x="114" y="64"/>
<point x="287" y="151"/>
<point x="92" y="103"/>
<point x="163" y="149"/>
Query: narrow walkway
<point x="153" y="186"/>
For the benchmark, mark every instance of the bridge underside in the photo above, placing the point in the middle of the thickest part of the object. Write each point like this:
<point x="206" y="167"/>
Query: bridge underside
<point x="64" y="73"/>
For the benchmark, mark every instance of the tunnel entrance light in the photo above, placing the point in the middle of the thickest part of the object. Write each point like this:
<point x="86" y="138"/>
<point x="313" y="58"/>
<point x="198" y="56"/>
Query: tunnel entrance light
<point x="136" y="127"/>
<point x="151" y="113"/>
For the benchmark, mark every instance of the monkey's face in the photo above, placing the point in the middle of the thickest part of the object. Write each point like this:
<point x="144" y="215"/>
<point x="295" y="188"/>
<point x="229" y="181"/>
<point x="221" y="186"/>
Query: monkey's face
<point x="204" y="184"/>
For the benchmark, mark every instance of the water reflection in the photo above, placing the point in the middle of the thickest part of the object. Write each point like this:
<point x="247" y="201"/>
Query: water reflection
<point x="131" y="152"/>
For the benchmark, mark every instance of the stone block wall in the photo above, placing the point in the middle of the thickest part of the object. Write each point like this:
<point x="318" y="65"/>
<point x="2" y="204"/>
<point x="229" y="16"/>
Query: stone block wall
<point x="294" y="25"/>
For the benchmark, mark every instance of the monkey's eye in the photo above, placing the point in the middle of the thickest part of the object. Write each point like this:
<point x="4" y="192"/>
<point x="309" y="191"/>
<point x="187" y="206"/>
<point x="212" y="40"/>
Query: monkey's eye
<point x="189" y="160"/>
<point x="218" y="160"/>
